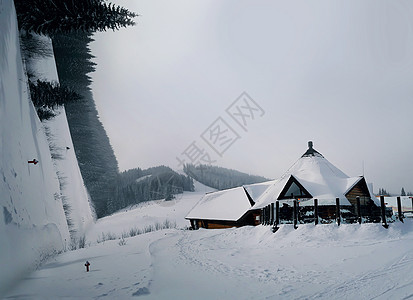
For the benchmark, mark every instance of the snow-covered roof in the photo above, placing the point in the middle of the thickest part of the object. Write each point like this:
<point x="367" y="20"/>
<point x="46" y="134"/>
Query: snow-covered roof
<point x="229" y="205"/>
<point x="257" y="189"/>
<point x="320" y="178"/>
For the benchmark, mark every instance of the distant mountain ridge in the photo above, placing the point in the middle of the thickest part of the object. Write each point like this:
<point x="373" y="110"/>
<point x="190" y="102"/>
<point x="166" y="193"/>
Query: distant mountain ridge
<point x="136" y="185"/>
<point x="220" y="178"/>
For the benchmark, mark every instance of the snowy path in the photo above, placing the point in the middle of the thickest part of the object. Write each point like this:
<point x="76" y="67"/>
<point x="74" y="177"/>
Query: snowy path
<point x="179" y="274"/>
<point x="312" y="262"/>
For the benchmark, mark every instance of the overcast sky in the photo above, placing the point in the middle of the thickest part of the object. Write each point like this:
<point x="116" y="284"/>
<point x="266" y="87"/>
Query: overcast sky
<point x="339" y="73"/>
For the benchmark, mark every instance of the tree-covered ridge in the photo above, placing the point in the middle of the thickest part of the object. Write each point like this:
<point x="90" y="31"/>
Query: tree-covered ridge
<point x="65" y="16"/>
<point x="137" y="185"/>
<point x="220" y="178"/>
<point x="95" y="155"/>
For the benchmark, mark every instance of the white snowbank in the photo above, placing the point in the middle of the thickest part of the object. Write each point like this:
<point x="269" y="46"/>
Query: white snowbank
<point x="32" y="221"/>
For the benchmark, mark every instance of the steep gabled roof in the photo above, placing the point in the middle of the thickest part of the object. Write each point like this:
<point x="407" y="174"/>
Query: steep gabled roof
<point x="320" y="178"/>
<point x="228" y="205"/>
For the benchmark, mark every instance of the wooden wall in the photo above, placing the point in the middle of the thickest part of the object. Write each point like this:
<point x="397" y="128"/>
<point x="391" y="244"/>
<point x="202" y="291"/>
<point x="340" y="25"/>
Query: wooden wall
<point x="360" y="190"/>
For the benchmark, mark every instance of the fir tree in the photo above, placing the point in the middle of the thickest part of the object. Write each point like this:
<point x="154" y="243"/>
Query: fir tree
<point x="65" y="16"/>
<point x="51" y="95"/>
<point x="383" y="192"/>
<point x="47" y="96"/>
<point x="403" y="193"/>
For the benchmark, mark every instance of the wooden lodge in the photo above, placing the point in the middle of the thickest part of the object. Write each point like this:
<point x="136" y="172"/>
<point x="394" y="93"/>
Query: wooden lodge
<point x="312" y="178"/>
<point x="227" y="208"/>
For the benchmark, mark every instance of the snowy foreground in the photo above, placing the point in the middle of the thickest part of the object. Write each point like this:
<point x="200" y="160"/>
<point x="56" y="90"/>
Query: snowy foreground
<point x="324" y="261"/>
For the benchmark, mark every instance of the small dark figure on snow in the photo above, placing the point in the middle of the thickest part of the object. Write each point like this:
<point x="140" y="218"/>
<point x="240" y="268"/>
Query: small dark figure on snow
<point x="34" y="161"/>
<point x="87" y="264"/>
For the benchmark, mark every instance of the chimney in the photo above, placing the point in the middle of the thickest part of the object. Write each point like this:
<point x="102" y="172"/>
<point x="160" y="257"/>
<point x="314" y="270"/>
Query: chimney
<point x="311" y="151"/>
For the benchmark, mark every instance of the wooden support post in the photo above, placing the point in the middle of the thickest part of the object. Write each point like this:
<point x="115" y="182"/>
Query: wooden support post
<point x="268" y="214"/>
<point x="295" y="214"/>
<point x="358" y="209"/>
<point x="264" y="211"/>
<point x="277" y="216"/>
<point x="338" y="216"/>
<point x="383" y="212"/>
<point x="399" y="209"/>
<point x="298" y="211"/>
<point x="272" y="214"/>
<point x="262" y="216"/>
<point x="315" y="211"/>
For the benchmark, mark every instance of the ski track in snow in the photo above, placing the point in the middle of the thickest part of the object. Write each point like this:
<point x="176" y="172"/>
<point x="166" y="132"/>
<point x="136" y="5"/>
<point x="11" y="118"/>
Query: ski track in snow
<point x="205" y="257"/>
<point x="379" y="284"/>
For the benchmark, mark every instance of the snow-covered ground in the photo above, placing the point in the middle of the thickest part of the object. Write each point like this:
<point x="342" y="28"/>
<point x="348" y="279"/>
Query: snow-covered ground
<point x="32" y="220"/>
<point x="149" y="214"/>
<point x="324" y="261"/>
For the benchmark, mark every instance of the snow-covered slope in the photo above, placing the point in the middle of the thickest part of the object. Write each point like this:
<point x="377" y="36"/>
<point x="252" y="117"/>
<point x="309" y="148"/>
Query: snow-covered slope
<point x="73" y="190"/>
<point x="32" y="221"/>
<point x="148" y="214"/>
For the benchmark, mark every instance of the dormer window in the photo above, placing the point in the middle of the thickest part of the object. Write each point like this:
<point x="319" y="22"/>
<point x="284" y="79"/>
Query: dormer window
<point x="293" y="190"/>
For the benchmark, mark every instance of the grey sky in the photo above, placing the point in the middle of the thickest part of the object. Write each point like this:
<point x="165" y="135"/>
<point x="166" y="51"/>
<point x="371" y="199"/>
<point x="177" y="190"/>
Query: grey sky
<point x="335" y="72"/>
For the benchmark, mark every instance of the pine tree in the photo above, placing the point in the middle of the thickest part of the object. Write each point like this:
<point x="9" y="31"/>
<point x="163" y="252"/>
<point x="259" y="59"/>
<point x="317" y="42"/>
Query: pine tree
<point x="403" y="193"/>
<point x="51" y="95"/>
<point x="47" y="96"/>
<point x="383" y="192"/>
<point x="65" y="16"/>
